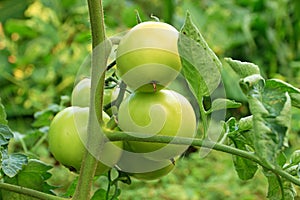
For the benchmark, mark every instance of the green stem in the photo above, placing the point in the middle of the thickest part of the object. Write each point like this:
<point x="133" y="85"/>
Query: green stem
<point x="89" y="164"/>
<point x="29" y="192"/>
<point x="126" y="136"/>
<point x="203" y="118"/>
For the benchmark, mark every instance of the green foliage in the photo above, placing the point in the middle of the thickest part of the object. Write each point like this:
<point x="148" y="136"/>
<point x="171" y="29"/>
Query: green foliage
<point x="33" y="175"/>
<point x="200" y="64"/>
<point x="44" y="43"/>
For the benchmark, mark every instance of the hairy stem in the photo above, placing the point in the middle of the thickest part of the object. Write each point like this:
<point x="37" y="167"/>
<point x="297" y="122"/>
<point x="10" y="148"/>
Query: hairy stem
<point x="89" y="164"/>
<point x="29" y="192"/>
<point x="126" y="136"/>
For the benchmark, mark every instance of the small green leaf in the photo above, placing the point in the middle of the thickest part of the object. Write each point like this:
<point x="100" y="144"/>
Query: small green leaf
<point x="243" y="69"/>
<point x="12" y="163"/>
<point x="246" y="123"/>
<point x="43" y="117"/>
<point x="2" y="114"/>
<point x="34" y="176"/>
<point x="201" y="67"/>
<point x="219" y="104"/>
<point x="5" y="134"/>
<point x="100" y="194"/>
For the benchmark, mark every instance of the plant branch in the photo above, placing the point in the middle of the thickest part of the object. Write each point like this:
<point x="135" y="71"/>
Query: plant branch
<point x="29" y="192"/>
<point x="126" y="136"/>
<point x="99" y="58"/>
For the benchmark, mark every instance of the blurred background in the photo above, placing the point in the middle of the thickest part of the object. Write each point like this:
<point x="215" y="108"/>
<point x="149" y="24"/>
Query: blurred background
<point x="43" y="43"/>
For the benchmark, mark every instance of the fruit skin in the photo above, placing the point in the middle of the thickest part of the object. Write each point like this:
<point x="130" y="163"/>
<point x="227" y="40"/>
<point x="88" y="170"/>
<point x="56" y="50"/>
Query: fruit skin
<point x="67" y="131"/>
<point x="165" y="112"/>
<point x="155" y="174"/>
<point x="81" y="93"/>
<point x="142" y="168"/>
<point x="148" y="54"/>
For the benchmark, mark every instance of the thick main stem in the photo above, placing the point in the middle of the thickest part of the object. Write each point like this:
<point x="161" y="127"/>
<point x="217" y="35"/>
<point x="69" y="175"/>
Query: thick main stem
<point x="89" y="165"/>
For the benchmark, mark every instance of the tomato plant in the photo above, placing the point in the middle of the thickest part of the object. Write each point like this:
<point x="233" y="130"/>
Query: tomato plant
<point x="155" y="125"/>
<point x="147" y="56"/>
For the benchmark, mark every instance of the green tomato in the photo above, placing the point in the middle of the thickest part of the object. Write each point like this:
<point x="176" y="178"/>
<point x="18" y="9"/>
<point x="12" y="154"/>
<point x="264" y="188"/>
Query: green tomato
<point x="143" y="168"/>
<point x="81" y="93"/>
<point x="155" y="174"/>
<point x="164" y="112"/>
<point x="147" y="56"/>
<point x="68" y="134"/>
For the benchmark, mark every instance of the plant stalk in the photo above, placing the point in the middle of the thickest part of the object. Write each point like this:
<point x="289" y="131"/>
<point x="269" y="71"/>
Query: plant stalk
<point x="89" y="164"/>
<point x="126" y="136"/>
<point x="29" y="192"/>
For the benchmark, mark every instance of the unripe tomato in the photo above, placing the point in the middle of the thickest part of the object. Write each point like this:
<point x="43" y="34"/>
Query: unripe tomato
<point x="155" y="174"/>
<point x="67" y="135"/>
<point x="165" y="112"/>
<point x="81" y="93"/>
<point x="147" y="56"/>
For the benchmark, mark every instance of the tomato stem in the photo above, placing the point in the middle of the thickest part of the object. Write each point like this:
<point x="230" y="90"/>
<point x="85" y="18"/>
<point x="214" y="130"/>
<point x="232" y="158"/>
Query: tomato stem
<point x="99" y="59"/>
<point x="127" y="136"/>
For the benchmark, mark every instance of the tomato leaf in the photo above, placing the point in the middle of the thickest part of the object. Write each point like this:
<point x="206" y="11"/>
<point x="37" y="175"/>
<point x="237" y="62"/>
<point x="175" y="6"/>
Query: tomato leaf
<point x="220" y="104"/>
<point x="271" y="110"/>
<point x="33" y="175"/>
<point x="279" y="85"/>
<point x="43" y="117"/>
<point x="243" y="69"/>
<point x="5" y="134"/>
<point x="245" y="168"/>
<point x="201" y="67"/>
<point x="100" y="194"/>
<point x="278" y="188"/>
<point x="12" y="163"/>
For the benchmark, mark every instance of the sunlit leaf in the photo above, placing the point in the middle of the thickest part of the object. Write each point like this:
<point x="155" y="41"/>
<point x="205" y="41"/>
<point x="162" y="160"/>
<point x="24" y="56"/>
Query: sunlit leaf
<point x="201" y="67"/>
<point x="243" y="69"/>
<point x="34" y="176"/>
<point x="12" y="163"/>
<point x="219" y="104"/>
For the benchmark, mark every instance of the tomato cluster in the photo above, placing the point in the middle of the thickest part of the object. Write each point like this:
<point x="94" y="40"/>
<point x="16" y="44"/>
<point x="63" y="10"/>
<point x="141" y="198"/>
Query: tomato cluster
<point x="147" y="61"/>
<point x="68" y="133"/>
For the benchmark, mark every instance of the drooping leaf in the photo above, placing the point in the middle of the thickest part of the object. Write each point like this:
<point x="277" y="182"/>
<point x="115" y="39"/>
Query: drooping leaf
<point x="201" y="67"/>
<point x="2" y="114"/>
<point x="33" y="176"/>
<point x="220" y="104"/>
<point x="271" y="110"/>
<point x="12" y="163"/>
<point x="245" y="168"/>
<point x="279" y="188"/>
<point x="243" y="69"/>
